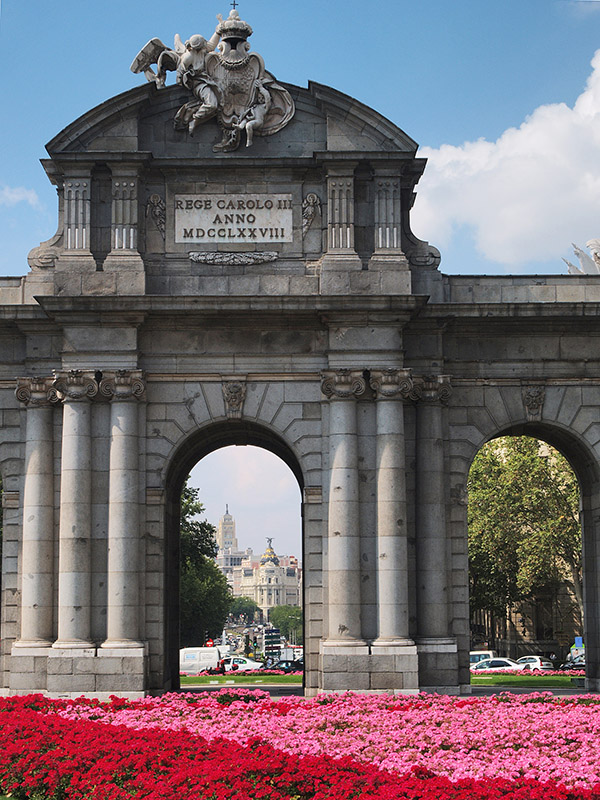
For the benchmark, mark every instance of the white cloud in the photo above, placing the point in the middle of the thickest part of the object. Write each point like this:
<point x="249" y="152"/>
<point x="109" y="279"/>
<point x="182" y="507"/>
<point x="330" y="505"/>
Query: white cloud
<point x="12" y="195"/>
<point x="525" y="196"/>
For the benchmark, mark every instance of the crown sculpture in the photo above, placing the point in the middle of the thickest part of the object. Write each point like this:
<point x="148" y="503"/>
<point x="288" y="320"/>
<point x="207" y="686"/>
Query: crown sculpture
<point x="225" y="81"/>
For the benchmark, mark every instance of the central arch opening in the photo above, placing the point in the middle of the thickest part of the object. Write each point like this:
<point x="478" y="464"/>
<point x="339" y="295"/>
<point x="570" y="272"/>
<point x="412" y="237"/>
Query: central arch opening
<point x="250" y="484"/>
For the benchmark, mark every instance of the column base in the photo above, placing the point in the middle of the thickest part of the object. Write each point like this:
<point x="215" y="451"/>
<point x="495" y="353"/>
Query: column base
<point x="388" y="260"/>
<point x="73" y="644"/>
<point x="438" y="664"/>
<point x="31" y="644"/>
<point x="122" y="261"/>
<point x="393" y="642"/>
<point x="121" y="644"/>
<point x="341" y="261"/>
<point x="76" y="261"/>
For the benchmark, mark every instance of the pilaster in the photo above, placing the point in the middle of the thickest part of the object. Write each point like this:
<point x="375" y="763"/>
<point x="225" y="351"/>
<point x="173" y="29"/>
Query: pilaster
<point x="124" y="254"/>
<point x="77" y="197"/>
<point x="341" y="255"/>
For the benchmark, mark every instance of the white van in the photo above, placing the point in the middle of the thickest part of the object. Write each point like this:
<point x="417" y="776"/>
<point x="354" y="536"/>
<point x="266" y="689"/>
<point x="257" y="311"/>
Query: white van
<point x="193" y="660"/>
<point x="475" y="656"/>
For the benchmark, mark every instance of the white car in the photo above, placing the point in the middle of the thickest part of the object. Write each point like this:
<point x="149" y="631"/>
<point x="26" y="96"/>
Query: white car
<point x="497" y="665"/>
<point x="535" y="662"/>
<point x="241" y="663"/>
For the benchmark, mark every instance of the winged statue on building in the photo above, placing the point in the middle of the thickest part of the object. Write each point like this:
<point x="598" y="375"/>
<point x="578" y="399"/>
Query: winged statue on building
<point x="226" y="81"/>
<point x="588" y="265"/>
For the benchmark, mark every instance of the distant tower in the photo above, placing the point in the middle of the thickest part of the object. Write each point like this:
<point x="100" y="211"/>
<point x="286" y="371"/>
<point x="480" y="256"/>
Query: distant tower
<point x="226" y="538"/>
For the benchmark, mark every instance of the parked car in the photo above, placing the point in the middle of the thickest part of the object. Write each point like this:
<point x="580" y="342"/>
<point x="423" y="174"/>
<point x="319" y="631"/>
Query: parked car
<point x="240" y="663"/>
<point x="574" y="663"/>
<point x="289" y="665"/>
<point x="497" y="665"/>
<point x="535" y="662"/>
<point x="478" y="655"/>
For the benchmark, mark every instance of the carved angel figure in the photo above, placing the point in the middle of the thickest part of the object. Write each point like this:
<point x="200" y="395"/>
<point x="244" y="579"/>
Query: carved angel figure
<point x="589" y="265"/>
<point x="226" y="81"/>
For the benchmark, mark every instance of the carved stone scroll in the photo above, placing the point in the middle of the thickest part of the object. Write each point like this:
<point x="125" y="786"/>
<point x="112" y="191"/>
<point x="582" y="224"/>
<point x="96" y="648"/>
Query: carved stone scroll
<point x="157" y="211"/>
<point x="392" y="384"/>
<point x="75" y="384"/>
<point x="533" y="400"/>
<point x="234" y="394"/>
<point x="343" y="384"/>
<point x="433" y="388"/>
<point x="123" y="384"/>
<point x="35" y="392"/>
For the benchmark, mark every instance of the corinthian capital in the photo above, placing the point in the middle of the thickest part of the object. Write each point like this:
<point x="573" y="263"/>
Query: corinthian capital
<point x="75" y="384"/>
<point x="36" y="392"/>
<point x="433" y="388"/>
<point x="343" y="384"/>
<point x="122" y="384"/>
<point x="392" y="384"/>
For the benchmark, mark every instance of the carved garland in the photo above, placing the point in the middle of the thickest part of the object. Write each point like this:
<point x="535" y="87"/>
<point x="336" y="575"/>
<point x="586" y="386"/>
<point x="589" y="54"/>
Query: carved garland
<point x="234" y="259"/>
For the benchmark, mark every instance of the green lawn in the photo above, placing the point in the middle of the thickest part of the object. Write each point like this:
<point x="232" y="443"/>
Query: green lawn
<point x="531" y="681"/>
<point x="238" y="680"/>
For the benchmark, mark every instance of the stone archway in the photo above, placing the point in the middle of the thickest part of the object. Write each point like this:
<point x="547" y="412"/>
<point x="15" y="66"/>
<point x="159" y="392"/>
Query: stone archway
<point x="580" y="456"/>
<point x="198" y="445"/>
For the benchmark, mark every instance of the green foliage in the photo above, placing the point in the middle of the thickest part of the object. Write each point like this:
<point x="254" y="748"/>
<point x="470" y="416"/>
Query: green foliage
<point x="204" y="595"/>
<point x="245" y="606"/>
<point x="288" y="619"/>
<point x="524" y="531"/>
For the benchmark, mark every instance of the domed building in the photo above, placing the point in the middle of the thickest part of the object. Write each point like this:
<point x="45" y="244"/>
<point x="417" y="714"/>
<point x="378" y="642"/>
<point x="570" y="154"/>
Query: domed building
<point x="272" y="581"/>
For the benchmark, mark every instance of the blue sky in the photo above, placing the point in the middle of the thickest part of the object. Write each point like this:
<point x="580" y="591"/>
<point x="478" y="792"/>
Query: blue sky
<point x="503" y="98"/>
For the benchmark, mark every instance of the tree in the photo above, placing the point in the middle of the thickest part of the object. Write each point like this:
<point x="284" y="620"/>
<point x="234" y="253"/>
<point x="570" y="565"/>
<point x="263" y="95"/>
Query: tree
<point x="245" y="606"/>
<point x="524" y="531"/>
<point x="205" y="597"/>
<point x="288" y="619"/>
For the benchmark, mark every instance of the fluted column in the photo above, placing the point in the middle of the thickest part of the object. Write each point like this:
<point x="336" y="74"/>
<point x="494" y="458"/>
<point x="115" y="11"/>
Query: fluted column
<point x="77" y="220"/>
<point x="124" y="387"/>
<point x="392" y="387"/>
<point x="75" y="388"/>
<point x="342" y="388"/>
<point x="341" y="253"/>
<point x="432" y="567"/>
<point x="37" y="565"/>
<point x="124" y="232"/>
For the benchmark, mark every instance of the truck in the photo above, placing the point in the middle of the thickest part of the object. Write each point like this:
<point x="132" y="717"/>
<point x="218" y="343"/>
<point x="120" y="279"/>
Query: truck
<point x="193" y="660"/>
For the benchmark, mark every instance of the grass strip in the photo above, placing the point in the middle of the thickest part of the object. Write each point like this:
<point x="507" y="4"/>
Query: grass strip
<point x="239" y="680"/>
<point x="531" y="681"/>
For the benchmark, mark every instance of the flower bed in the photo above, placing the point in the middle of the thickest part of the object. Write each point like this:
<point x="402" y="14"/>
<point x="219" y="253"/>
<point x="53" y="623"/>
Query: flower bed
<point x="241" y="744"/>
<point x="558" y="673"/>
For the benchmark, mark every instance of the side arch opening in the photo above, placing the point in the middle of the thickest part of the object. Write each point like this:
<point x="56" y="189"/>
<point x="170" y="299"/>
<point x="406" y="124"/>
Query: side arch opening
<point x="564" y="468"/>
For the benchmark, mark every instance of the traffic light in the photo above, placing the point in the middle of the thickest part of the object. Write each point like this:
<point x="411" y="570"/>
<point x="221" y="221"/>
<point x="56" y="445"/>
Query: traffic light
<point x="255" y="644"/>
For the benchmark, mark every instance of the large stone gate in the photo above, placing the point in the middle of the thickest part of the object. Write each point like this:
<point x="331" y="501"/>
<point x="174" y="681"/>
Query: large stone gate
<point x="200" y="292"/>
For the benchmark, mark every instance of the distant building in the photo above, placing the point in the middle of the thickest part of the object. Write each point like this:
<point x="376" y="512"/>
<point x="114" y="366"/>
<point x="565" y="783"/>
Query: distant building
<point x="270" y="580"/>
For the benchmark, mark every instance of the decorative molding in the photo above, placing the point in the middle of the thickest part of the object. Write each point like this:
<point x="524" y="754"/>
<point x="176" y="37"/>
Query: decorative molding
<point x="75" y="384"/>
<point x="313" y="494"/>
<point x="533" y="400"/>
<point x="311" y="206"/>
<point x="123" y="384"/>
<point x="234" y="259"/>
<point x="10" y="499"/>
<point x="433" y="388"/>
<point x="343" y="384"/>
<point x="234" y="394"/>
<point x="157" y="211"/>
<point x="392" y="384"/>
<point x="36" y="392"/>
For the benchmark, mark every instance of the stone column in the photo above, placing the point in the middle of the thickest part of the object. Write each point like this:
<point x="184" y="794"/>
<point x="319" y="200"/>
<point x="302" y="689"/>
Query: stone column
<point x="341" y="255"/>
<point x="124" y="388"/>
<point x="342" y="388"/>
<point x="37" y="565"/>
<point x="432" y="566"/>
<point x="124" y="253"/>
<point x="75" y="388"/>
<point x="391" y="387"/>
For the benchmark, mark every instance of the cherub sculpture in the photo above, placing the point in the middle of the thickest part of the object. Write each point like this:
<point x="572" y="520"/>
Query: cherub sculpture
<point x="226" y="81"/>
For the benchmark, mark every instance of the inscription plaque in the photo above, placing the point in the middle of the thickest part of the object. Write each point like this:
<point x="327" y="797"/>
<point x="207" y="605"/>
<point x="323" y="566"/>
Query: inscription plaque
<point x="233" y="218"/>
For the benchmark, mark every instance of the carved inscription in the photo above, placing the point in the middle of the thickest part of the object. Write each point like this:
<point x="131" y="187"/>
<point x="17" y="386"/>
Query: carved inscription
<point x="233" y="218"/>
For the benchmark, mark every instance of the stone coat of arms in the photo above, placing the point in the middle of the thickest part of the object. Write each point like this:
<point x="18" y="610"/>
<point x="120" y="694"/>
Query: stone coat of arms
<point x="225" y="80"/>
